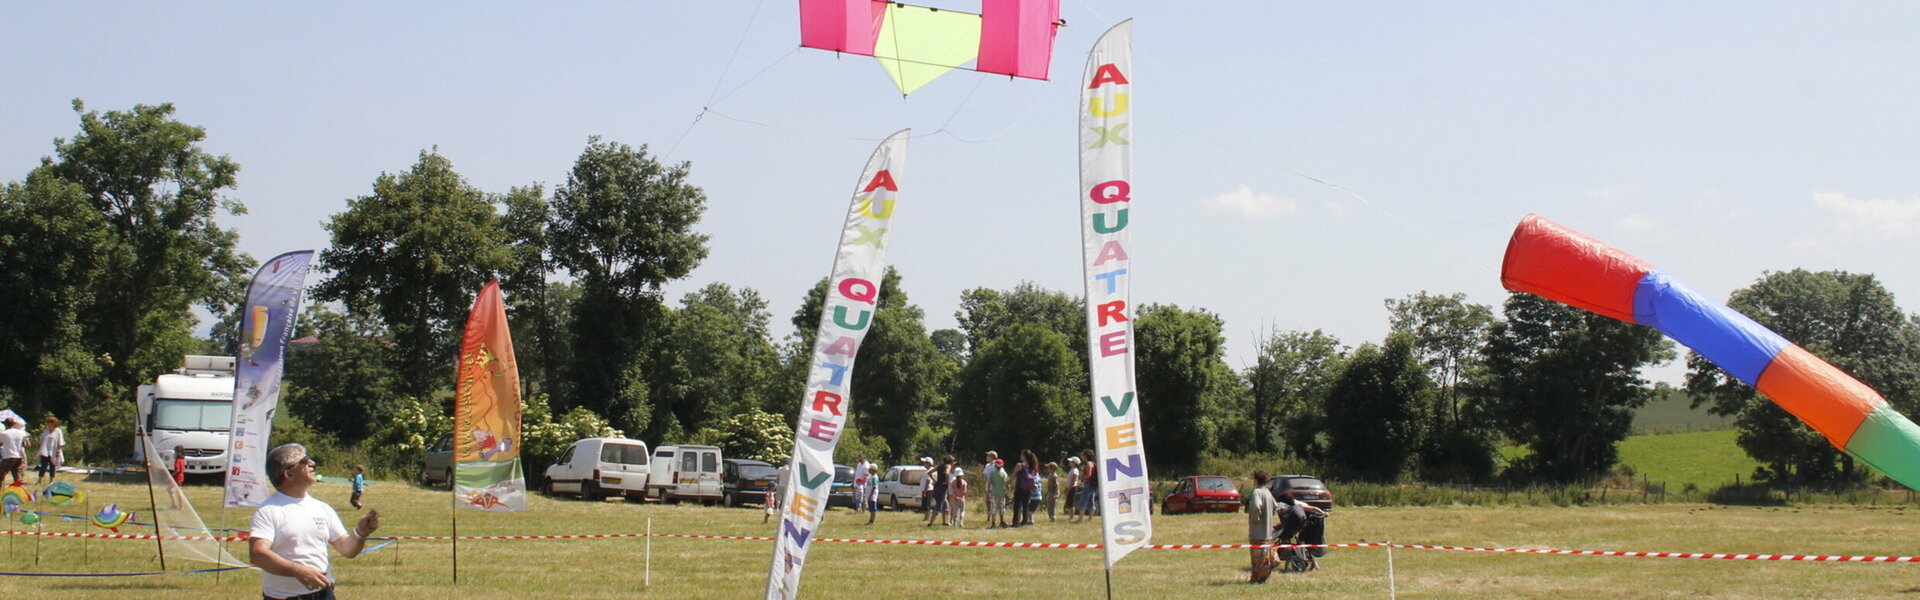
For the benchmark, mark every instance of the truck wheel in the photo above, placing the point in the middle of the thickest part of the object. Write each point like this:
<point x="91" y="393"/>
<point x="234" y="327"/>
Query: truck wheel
<point x="422" y="476"/>
<point x="548" y="487"/>
<point x="896" y="504"/>
<point x="449" y="477"/>
<point x="590" y="491"/>
<point x="728" y="500"/>
<point x="666" y="496"/>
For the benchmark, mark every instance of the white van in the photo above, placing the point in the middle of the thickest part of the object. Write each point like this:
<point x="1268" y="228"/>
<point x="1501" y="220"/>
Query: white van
<point x="900" y="487"/>
<point x="598" y="468"/>
<point x="685" y="472"/>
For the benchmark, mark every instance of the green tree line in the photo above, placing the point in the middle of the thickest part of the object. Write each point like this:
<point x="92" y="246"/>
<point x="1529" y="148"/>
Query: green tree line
<point x="110" y="245"/>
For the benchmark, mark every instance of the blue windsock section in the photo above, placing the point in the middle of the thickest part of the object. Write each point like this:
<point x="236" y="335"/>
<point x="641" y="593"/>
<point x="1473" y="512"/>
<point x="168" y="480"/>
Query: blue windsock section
<point x="1726" y="337"/>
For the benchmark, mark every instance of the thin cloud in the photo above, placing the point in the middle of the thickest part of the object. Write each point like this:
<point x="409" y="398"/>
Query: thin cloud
<point x="1872" y="216"/>
<point x="1641" y="223"/>
<point x="1247" y="203"/>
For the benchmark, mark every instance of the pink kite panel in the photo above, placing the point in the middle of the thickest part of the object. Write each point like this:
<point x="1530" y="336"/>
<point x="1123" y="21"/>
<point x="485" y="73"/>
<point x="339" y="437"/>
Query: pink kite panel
<point x="849" y="26"/>
<point x="1016" y="37"/>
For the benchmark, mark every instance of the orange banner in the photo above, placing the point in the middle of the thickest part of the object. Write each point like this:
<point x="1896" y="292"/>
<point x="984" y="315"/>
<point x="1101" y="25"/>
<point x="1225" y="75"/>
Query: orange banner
<point x="486" y="411"/>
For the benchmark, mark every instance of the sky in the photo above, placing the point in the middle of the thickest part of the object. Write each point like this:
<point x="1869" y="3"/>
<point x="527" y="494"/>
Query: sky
<point x="1295" y="163"/>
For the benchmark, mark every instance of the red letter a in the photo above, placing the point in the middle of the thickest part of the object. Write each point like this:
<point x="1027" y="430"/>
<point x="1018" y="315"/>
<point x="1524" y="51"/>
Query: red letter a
<point x="883" y="180"/>
<point x="1107" y="74"/>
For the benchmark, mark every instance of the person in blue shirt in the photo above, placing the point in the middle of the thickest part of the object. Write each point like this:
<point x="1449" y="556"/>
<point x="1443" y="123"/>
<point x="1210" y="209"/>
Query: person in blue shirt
<point x="359" y="485"/>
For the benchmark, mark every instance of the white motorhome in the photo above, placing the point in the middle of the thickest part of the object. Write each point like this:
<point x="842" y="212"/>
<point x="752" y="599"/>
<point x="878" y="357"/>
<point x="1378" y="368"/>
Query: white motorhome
<point x="190" y="411"/>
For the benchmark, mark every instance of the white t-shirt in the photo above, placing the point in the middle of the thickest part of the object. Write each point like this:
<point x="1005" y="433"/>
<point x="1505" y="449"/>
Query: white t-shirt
<point x="52" y="441"/>
<point x="301" y="529"/>
<point x="13" y="443"/>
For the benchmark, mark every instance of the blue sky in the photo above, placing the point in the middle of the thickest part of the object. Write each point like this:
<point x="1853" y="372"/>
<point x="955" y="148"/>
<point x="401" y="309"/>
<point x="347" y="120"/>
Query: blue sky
<point x="1717" y="140"/>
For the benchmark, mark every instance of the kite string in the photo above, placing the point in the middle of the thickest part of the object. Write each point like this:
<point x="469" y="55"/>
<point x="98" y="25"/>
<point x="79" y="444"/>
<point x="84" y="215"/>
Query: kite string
<point x="722" y="79"/>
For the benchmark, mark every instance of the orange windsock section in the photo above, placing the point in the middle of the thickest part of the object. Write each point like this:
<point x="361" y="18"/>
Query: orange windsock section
<point x="1833" y="402"/>
<point x="1549" y="260"/>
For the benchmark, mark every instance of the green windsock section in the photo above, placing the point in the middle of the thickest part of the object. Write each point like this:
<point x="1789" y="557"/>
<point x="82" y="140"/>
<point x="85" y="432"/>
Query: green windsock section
<point x="1890" y="443"/>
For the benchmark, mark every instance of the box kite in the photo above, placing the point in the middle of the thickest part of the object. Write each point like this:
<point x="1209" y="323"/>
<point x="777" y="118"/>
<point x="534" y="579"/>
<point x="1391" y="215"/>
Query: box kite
<point x="917" y="44"/>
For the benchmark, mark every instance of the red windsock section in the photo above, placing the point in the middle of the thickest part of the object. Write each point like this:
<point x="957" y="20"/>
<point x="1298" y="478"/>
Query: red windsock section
<point x="1549" y="260"/>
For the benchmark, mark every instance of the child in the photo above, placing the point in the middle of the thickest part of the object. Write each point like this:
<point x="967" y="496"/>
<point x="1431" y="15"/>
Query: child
<point x="871" y="497"/>
<point x="957" y="499"/>
<point x="359" y="485"/>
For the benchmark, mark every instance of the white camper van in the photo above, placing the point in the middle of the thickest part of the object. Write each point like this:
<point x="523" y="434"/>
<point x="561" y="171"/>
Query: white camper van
<point x="190" y="411"/>
<point x="685" y="473"/>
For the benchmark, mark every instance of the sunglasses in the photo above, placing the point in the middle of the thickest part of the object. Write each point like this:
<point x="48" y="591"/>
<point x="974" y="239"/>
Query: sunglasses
<point x="305" y="462"/>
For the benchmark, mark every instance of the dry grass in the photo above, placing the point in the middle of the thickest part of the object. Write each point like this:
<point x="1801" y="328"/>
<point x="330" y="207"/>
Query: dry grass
<point x="736" y="569"/>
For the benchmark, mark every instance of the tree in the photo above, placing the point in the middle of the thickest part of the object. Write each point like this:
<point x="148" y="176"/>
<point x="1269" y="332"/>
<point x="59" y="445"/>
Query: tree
<point x="901" y="381"/>
<point x="533" y="305"/>
<point x="1449" y="336"/>
<point x="1847" y="319"/>
<point x="413" y="253"/>
<point x="623" y="228"/>
<point x="984" y="313"/>
<point x="337" y="379"/>
<point x="1377" y="411"/>
<point x="1019" y="392"/>
<point x="134" y="191"/>
<point x="717" y="358"/>
<point x="1185" y="385"/>
<point x="50" y="243"/>
<point x="1287" y="386"/>
<point x="1565" y="383"/>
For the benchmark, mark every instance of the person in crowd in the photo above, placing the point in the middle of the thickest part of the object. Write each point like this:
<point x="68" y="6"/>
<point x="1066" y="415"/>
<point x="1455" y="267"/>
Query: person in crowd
<point x="942" y="479"/>
<point x="13" y="451"/>
<point x="871" y="497"/>
<point x="1050" y="483"/>
<point x="779" y="492"/>
<point x="957" y="498"/>
<point x="359" y="486"/>
<point x="1261" y="510"/>
<point x="1089" y="486"/>
<point x="1029" y="496"/>
<point x="996" y="494"/>
<point x="292" y="530"/>
<point x="53" y="452"/>
<point x="860" y="481"/>
<point x="926" y="489"/>
<point x="1070" y="484"/>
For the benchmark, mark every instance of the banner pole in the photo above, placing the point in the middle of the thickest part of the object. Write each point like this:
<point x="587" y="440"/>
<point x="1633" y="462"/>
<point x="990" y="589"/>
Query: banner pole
<point x="648" y="577"/>
<point x="1109" y="572"/>
<point x="455" y="509"/>
<point x="1392" y="593"/>
<point x="159" y="528"/>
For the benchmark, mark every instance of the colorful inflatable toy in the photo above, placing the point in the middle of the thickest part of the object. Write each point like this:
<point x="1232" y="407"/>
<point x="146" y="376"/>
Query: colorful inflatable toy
<point x="111" y="518"/>
<point x="1549" y="260"/>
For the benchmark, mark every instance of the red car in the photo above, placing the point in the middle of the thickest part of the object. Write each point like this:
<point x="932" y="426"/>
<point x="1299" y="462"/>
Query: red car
<point x="1201" y="493"/>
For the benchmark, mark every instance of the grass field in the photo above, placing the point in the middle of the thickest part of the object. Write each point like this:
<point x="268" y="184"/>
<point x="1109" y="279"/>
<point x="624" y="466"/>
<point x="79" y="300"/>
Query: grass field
<point x="685" y="568"/>
<point x="1706" y="459"/>
<point x="1674" y="413"/>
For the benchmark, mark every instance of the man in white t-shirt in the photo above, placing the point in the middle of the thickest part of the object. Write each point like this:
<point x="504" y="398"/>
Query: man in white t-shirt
<point x="13" y="451"/>
<point x="292" y="530"/>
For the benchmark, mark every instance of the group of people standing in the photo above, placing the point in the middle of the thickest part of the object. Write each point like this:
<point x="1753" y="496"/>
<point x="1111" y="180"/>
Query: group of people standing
<point x="13" y="451"/>
<point x="1023" y="489"/>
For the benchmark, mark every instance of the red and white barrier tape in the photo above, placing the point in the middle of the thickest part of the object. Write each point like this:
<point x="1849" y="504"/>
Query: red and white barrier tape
<point x="1056" y="546"/>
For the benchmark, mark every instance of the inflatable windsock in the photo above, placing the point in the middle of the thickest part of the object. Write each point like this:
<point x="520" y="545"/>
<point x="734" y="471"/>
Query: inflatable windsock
<point x="1547" y="259"/>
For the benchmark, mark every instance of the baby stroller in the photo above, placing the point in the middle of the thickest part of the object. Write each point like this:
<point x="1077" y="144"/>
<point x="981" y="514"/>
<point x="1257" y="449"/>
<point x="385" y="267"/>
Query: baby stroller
<point x="1309" y="530"/>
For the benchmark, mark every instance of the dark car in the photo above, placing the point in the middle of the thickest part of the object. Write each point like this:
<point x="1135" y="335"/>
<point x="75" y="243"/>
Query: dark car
<point x="745" y="480"/>
<point x="1306" y="488"/>
<point x="842" y="493"/>
<point x="1201" y="493"/>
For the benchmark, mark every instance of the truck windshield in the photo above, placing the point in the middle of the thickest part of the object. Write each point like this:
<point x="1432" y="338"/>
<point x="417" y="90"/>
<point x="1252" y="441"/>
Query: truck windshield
<point x="192" y="415"/>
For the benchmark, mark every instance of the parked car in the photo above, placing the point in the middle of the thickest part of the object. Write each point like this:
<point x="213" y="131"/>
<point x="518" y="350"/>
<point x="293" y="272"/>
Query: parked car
<point x="685" y="473"/>
<point x="900" y="486"/>
<point x="744" y="480"/>
<point x="1306" y="488"/>
<point x="436" y="468"/>
<point x="597" y="468"/>
<point x="1201" y="493"/>
<point x="842" y="492"/>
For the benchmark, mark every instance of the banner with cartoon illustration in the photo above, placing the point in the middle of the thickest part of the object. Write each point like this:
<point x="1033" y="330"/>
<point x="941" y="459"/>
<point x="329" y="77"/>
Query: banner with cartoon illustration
<point x="486" y="412"/>
<point x="853" y="296"/>
<point x="1106" y="192"/>
<point x="266" y="322"/>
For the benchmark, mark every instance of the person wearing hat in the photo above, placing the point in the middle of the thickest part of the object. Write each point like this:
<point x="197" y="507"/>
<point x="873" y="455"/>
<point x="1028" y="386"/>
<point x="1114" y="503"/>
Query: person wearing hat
<point x="13" y="450"/>
<point x="53" y="451"/>
<point x="926" y="487"/>
<point x="1070" y="484"/>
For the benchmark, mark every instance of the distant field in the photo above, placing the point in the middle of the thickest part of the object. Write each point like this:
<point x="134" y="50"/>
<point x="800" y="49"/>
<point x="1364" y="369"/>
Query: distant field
<point x="698" y="569"/>
<point x="1706" y="459"/>
<point x="1674" y="413"/>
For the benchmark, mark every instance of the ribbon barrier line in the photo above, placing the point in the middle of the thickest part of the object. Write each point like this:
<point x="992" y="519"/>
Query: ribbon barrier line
<point x="128" y="536"/>
<point x="1060" y="546"/>
<point x="194" y="571"/>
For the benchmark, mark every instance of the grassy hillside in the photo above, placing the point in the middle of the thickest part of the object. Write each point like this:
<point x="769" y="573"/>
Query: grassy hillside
<point x="1673" y="413"/>
<point x="1706" y="459"/>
